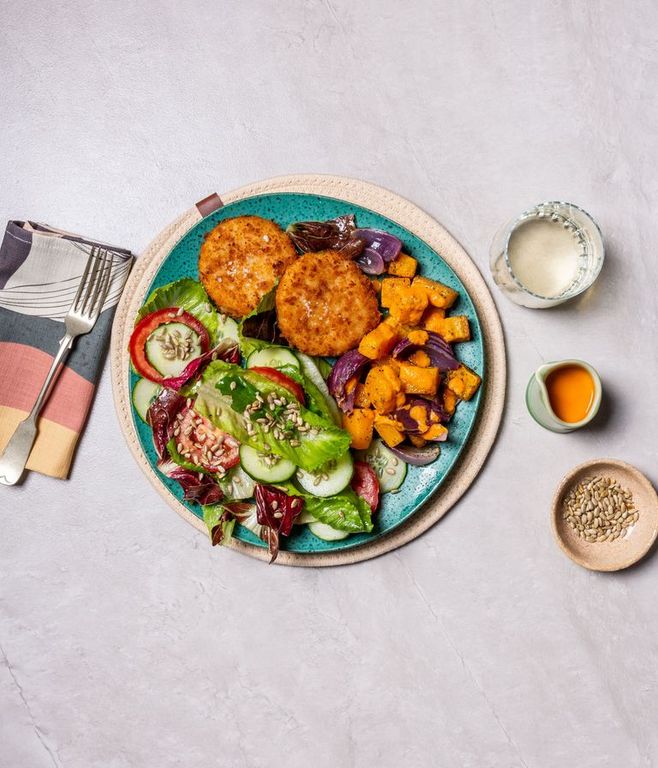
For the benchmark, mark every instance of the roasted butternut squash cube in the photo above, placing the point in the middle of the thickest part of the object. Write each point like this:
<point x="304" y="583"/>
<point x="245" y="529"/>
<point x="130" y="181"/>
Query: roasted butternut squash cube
<point x="419" y="381"/>
<point x="410" y="306"/>
<point x="436" y="432"/>
<point x="361" y="399"/>
<point x="395" y="364"/>
<point x="449" y="399"/>
<point x="391" y="287"/>
<point x="376" y="284"/>
<point x="403" y="266"/>
<point x="418" y="336"/>
<point x="453" y="329"/>
<point x="359" y="424"/>
<point x="420" y="358"/>
<point x="432" y="318"/>
<point x="463" y="382"/>
<point x="417" y="440"/>
<point x="419" y="414"/>
<point x="405" y="302"/>
<point x="380" y="341"/>
<point x="382" y="387"/>
<point x="390" y="430"/>
<point x="438" y="295"/>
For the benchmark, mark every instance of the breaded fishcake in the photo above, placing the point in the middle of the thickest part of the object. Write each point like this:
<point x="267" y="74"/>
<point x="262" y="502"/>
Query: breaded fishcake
<point x="240" y="261"/>
<point x="325" y="304"/>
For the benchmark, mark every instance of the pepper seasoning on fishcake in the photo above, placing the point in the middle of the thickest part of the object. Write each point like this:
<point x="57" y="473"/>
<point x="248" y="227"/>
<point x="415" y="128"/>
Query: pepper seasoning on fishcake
<point x="240" y="261"/>
<point x="325" y="304"/>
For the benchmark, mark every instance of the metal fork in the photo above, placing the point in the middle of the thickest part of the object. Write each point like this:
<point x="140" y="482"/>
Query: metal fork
<point x="80" y="319"/>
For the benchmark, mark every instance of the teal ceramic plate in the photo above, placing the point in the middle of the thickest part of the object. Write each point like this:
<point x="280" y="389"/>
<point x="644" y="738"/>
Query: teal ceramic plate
<point x="421" y="482"/>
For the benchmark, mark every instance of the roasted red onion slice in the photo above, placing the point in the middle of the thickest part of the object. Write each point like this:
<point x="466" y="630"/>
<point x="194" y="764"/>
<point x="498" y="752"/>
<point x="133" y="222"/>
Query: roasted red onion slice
<point x="411" y="425"/>
<point x="370" y="262"/>
<point x="417" y="456"/>
<point x="346" y="367"/>
<point x="379" y="243"/>
<point x="437" y="348"/>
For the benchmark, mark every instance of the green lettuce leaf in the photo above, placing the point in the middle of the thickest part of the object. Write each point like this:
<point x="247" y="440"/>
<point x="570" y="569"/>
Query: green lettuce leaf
<point x="190" y="295"/>
<point x="315" y="400"/>
<point x="323" y="366"/>
<point x="219" y="521"/>
<point x="345" y="511"/>
<point x="315" y="381"/>
<point x="227" y="390"/>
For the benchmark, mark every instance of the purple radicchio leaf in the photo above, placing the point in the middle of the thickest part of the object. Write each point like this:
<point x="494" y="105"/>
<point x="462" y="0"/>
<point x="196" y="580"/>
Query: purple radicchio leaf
<point x="161" y="416"/>
<point x="197" y="487"/>
<point x="276" y="513"/>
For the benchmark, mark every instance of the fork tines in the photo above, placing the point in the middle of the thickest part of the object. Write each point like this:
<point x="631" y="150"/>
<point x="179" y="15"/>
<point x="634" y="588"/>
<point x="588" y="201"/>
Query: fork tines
<point x="94" y="284"/>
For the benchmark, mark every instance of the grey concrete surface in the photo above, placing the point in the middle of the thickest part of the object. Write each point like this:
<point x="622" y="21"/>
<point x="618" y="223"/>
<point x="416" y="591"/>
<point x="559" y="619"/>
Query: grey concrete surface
<point x="125" y="640"/>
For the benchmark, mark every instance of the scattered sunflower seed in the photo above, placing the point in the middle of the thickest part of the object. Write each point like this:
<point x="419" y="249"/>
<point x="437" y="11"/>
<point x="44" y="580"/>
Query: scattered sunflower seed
<point x="599" y="509"/>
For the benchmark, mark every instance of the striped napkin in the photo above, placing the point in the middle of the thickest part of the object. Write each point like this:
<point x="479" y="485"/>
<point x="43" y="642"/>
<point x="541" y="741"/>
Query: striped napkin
<point x="40" y="271"/>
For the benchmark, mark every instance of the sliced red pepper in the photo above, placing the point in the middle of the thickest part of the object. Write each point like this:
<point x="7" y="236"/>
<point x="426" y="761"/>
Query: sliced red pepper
<point x="148" y="324"/>
<point x="282" y="380"/>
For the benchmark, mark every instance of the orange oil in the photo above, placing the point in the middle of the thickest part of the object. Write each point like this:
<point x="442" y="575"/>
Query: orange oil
<point x="570" y="392"/>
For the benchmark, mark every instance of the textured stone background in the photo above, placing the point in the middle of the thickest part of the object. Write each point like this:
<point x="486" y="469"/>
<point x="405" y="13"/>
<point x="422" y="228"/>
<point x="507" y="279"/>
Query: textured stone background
<point x="125" y="640"/>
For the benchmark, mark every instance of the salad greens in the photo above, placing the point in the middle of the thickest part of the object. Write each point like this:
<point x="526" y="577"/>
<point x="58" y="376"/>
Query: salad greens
<point x="188" y="294"/>
<point x="227" y="391"/>
<point x="345" y="511"/>
<point x="260" y="329"/>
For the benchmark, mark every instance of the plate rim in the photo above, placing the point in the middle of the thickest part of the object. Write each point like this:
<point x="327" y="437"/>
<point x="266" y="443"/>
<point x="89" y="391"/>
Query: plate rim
<point x="404" y="213"/>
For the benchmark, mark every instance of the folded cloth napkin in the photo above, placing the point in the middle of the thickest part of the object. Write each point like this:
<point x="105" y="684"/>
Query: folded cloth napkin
<point x="40" y="270"/>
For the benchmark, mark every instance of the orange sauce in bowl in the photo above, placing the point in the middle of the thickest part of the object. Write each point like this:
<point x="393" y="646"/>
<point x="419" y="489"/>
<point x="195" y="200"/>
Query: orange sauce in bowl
<point x="570" y="392"/>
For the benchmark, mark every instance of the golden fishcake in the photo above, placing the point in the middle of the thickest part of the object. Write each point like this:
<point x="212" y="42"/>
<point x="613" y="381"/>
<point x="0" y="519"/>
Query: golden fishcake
<point x="325" y="304"/>
<point x="240" y="261"/>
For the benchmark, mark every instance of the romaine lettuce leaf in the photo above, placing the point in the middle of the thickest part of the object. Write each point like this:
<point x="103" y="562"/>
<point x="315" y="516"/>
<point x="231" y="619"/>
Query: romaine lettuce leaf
<point x="345" y="511"/>
<point x="315" y="381"/>
<point x="227" y="390"/>
<point x="323" y="366"/>
<point x="190" y="295"/>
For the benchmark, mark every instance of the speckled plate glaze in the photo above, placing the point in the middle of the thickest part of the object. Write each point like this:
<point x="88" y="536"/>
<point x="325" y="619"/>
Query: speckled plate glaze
<point x="421" y="482"/>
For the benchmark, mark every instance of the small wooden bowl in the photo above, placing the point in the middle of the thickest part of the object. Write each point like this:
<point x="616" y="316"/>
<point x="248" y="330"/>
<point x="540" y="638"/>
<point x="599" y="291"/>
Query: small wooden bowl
<point x="622" y="552"/>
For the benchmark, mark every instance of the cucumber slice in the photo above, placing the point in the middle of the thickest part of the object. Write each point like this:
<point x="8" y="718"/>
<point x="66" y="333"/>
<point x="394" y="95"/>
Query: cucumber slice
<point x="238" y="485"/>
<point x="272" y="357"/>
<point x="265" y="467"/>
<point x="227" y="328"/>
<point x="326" y="532"/>
<point x="162" y="344"/>
<point x="330" y="479"/>
<point x="390" y="469"/>
<point x="144" y="393"/>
